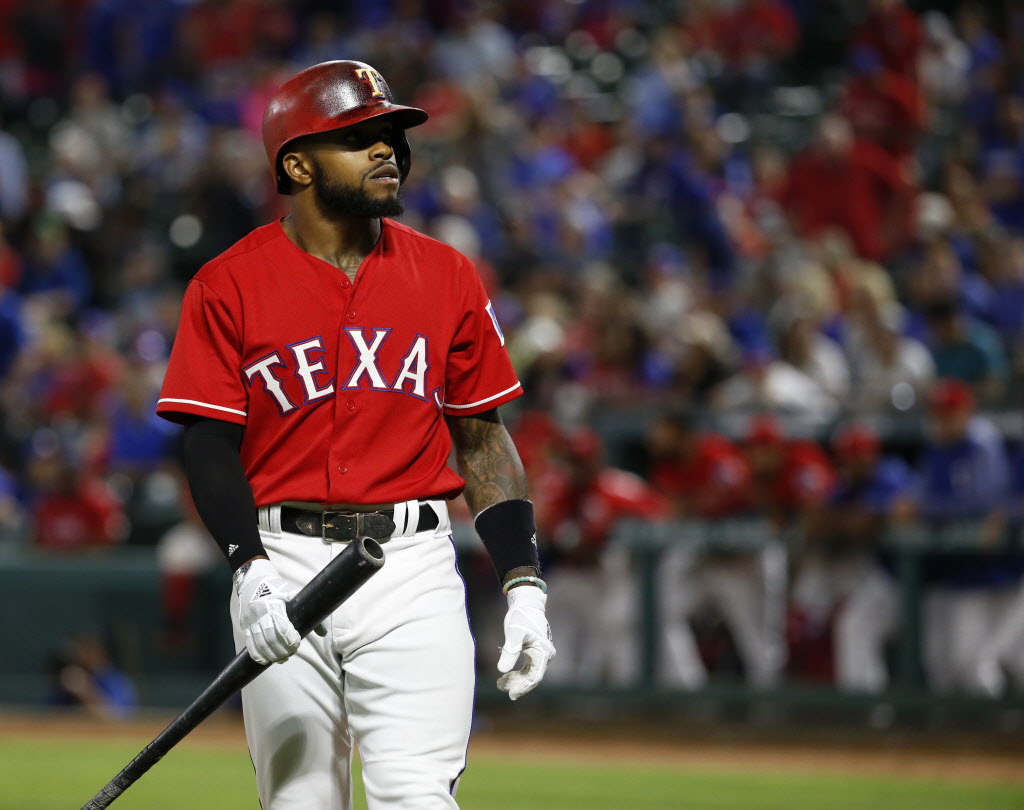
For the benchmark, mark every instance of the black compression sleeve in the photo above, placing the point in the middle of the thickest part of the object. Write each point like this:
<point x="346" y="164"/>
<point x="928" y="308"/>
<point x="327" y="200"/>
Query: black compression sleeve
<point x="509" y="533"/>
<point x="220" y="490"/>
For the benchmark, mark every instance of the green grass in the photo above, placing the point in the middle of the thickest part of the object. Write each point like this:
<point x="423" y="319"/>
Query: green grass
<point x="62" y="774"/>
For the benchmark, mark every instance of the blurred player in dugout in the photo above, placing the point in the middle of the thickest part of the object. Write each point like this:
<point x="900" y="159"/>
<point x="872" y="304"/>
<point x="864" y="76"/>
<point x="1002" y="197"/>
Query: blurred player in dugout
<point x="771" y="483"/>
<point x="578" y="500"/>
<point x="843" y="590"/>
<point x="972" y="602"/>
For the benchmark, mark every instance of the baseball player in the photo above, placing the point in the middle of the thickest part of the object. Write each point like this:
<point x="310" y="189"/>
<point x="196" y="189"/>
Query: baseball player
<point x="708" y="478"/>
<point x="842" y="576"/>
<point x="963" y="476"/>
<point x="579" y="500"/>
<point x="323" y="367"/>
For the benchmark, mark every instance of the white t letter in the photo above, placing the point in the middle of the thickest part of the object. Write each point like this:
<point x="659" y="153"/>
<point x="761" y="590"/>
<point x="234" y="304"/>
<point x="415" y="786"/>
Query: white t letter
<point x="271" y="384"/>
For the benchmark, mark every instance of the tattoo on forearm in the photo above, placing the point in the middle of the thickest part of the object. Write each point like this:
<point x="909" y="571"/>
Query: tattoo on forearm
<point x="487" y="459"/>
<point x="239" y="575"/>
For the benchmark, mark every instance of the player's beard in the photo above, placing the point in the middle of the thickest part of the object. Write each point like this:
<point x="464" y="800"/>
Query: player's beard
<point x="338" y="200"/>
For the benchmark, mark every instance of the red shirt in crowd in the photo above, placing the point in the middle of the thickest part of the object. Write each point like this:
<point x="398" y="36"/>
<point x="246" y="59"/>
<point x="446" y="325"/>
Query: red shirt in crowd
<point x="894" y="32"/>
<point x="754" y="30"/>
<point x="886" y="109"/>
<point x="88" y="516"/>
<point x="855" y="192"/>
<point x="232" y="30"/>
<point x="80" y="386"/>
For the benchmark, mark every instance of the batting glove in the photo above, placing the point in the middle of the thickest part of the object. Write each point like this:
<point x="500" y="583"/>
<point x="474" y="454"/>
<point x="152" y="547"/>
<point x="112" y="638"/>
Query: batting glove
<point x="527" y="633"/>
<point x="262" y="596"/>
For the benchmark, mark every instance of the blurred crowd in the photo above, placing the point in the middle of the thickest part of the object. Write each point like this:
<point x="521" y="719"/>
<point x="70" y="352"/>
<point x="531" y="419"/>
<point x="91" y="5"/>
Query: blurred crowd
<point x="744" y="207"/>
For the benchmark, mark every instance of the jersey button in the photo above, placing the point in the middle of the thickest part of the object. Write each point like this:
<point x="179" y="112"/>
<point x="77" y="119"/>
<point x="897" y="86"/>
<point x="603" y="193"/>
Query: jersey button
<point x="350" y="405"/>
<point x="346" y="283"/>
<point x="351" y="315"/>
<point x="342" y="469"/>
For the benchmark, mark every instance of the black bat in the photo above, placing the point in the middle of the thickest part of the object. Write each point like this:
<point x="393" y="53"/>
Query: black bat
<point x="340" y="578"/>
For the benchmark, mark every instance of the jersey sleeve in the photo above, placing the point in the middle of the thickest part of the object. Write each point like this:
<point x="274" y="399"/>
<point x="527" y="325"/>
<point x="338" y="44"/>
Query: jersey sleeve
<point x="204" y="373"/>
<point x="479" y="374"/>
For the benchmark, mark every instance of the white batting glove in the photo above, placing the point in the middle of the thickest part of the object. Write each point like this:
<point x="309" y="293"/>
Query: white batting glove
<point x="262" y="595"/>
<point x="526" y="632"/>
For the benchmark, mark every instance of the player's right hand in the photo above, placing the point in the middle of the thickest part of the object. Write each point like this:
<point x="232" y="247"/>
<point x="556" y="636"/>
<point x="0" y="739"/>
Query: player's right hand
<point x="262" y="596"/>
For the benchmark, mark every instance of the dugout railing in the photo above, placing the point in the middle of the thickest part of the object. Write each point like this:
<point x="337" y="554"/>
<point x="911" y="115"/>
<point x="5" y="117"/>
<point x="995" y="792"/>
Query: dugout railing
<point x="118" y="595"/>
<point x="908" y="548"/>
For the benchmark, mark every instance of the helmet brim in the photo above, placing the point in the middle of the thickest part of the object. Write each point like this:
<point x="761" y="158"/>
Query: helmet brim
<point x="404" y="117"/>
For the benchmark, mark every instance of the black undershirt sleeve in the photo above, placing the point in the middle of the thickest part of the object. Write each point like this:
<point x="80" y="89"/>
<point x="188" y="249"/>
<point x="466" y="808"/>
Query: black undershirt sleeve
<point x="220" y="490"/>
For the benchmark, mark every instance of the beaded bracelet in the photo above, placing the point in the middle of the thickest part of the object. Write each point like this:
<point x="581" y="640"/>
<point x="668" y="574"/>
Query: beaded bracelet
<point x="540" y="583"/>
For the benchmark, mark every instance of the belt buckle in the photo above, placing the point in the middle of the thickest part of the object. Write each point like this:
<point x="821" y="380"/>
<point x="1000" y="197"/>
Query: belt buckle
<point x="324" y="524"/>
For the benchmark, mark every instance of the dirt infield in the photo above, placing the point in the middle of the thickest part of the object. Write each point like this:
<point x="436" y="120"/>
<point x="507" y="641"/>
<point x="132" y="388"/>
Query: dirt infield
<point x="899" y="758"/>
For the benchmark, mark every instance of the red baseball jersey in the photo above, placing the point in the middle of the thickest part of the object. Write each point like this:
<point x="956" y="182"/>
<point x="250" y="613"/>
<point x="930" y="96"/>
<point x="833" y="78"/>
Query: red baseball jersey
<point x="594" y="508"/>
<point x="713" y="483"/>
<point x="805" y="478"/>
<point x="342" y="386"/>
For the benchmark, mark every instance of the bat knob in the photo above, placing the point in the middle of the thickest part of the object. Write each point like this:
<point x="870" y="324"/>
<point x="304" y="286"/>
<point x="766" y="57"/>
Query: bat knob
<point x="371" y="551"/>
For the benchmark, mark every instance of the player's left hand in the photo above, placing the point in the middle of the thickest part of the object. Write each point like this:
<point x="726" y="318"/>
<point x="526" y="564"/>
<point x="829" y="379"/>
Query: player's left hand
<point x="527" y="633"/>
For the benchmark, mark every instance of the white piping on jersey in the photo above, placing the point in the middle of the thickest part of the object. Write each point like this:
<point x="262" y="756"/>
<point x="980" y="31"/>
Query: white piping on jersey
<point x="202" y="405"/>
<point x="483" y="401"/>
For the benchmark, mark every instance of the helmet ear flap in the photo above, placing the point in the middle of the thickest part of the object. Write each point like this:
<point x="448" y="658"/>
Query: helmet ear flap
<point x="403" y="154"/>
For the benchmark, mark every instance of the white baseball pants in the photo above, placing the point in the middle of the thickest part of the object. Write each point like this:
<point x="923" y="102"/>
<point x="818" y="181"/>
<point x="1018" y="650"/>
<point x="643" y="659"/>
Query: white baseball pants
<point x="748" y="590"/>
<point x="394" y="675"/>
<point x="964" y="635"/>
<point x="593" y="618"/>
<point x="866" y="620"/>
<point x="866" y="602"/>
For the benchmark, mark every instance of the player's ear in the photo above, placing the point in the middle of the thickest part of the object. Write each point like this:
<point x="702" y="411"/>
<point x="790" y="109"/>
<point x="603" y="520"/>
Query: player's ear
<point x="299" y="168"/>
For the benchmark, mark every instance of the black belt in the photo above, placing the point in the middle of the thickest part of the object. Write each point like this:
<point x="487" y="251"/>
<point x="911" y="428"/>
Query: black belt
<point x="347" y="525"/>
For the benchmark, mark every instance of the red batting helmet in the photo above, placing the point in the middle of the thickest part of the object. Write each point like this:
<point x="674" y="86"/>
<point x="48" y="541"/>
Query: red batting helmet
<point x="329" y="96"/>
